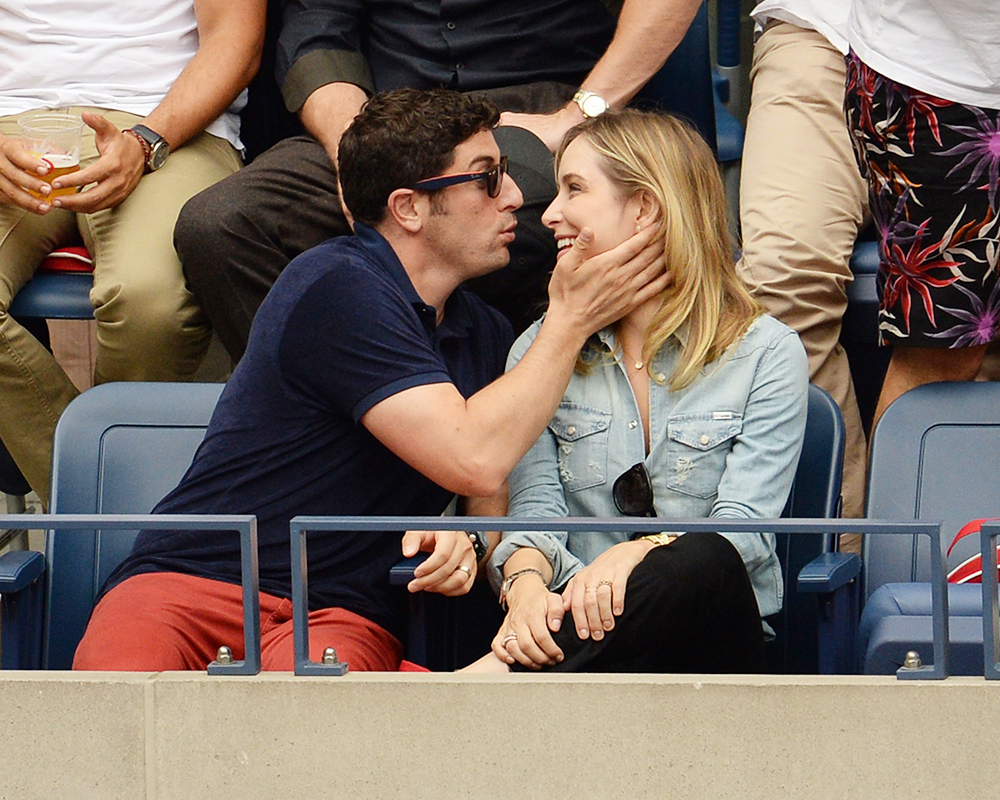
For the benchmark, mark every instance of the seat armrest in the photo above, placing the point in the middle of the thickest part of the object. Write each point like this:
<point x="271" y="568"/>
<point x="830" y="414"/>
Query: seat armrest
<point x="829" y="572"/>
<point x="401" y="573"/>
<point x="20" y="569"/>
<point x="21" y="585"/>
<point x="831" y="577"/>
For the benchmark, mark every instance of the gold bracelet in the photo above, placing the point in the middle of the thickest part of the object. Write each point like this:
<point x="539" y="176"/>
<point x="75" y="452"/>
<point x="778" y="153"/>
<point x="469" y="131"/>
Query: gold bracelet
<point x="659" y="539"/>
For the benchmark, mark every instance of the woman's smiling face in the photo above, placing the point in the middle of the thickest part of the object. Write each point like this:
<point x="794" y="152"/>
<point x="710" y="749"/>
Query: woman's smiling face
<point x="588" y="198"/>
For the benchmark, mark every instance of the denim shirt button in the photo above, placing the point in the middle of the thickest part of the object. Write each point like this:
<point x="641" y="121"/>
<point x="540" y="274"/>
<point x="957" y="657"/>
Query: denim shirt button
<point x="704" y="438"/>
<point x="571" y="430"/>
<point x="632" y="424"/>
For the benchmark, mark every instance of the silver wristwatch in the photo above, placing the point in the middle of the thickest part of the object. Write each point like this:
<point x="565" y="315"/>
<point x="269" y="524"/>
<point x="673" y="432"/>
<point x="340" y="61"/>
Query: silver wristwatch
<point x="156" y="147"/>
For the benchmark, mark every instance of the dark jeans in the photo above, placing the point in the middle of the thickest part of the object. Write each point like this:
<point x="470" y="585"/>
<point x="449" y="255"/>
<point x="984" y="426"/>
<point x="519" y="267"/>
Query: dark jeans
<point x="689" y="608"/>
<point x="235" y="238"/>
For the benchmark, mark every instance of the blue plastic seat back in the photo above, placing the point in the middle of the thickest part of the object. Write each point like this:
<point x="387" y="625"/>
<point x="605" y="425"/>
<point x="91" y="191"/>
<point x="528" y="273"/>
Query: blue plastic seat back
<point x="119" y="448"/>
<point x="683" y="85"/>
<point x="935" y="454"/>
<point x="815" y="494"/>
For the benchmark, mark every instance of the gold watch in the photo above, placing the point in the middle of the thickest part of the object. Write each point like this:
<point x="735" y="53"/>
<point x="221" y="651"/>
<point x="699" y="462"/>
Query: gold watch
<point x="591" y="104"/>
<point x="659" y="538"/>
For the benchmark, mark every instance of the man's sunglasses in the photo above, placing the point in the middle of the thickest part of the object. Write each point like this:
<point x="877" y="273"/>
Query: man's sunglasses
<point x="633" y="492"/>
<point x="493" y="177"/>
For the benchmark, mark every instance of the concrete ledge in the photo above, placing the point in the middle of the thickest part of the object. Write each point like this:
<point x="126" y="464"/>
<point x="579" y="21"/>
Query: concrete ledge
<point x="188" y="736"/>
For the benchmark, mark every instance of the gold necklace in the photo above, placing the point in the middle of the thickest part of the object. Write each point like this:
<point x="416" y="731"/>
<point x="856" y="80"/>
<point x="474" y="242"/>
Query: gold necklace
<point x="636" y="363"/>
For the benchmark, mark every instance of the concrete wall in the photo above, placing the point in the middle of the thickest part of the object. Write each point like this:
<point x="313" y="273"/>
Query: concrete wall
<point x="188" y="736"/>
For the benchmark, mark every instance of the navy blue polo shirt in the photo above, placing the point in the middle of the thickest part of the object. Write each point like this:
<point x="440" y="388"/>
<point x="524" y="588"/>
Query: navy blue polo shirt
<point x="342" y="329"/>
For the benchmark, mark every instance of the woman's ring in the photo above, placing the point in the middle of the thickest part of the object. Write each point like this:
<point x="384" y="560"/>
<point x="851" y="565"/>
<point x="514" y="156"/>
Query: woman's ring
<point x="510" y="637"/>
<point x="606" y="582"/>
<point x="464" y="569"/>
<point x="589" y="588"/>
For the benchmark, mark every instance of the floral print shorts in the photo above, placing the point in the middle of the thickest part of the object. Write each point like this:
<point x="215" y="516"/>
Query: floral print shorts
<point x="932" y="171"/>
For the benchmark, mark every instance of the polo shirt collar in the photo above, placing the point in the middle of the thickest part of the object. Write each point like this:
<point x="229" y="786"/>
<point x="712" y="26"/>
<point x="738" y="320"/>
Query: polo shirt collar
<point x="457" y="320"/>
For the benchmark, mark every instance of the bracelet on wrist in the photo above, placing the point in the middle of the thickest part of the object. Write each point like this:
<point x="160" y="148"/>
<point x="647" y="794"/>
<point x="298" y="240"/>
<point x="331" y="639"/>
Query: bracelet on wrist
<point x="146" y="149"/>
<point x="479" y="543"/>
<point x="509" y="581"/>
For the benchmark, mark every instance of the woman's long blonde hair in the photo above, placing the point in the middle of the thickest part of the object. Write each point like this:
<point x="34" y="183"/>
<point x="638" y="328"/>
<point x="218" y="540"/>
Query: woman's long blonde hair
<point x="659" y="154"/>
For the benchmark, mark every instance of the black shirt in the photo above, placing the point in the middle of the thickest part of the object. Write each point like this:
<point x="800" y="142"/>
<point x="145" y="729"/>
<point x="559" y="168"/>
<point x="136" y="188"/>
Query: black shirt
<point x="422" y="44"/>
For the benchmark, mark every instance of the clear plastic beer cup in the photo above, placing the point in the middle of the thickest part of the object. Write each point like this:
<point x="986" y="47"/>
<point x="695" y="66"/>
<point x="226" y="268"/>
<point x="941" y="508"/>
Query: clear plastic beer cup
<point x="54" y="137"/>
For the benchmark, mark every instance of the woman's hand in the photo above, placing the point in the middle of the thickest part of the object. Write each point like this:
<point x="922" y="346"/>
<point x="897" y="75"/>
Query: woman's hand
<point x="533" y="612"/>
<point x="596" y="594"/>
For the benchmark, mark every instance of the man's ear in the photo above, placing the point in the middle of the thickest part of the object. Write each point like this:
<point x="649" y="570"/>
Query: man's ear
<point x="406" y="209"/>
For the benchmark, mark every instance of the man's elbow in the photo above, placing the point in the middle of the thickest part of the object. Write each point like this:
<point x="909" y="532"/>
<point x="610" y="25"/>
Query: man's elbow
<point x="476" y="477"/>
<point x="253" y="63"/>
<point x="253" y="53"/>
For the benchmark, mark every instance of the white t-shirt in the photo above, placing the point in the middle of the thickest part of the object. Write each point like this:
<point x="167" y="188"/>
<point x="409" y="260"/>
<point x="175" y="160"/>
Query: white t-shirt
<point x="826" y="17"/>
<point x="947" y="48"/>
<point x="118" y="54"/>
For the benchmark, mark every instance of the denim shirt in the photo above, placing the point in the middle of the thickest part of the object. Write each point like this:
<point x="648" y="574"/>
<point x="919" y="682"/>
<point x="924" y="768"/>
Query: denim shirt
<point x="725" y="446"/>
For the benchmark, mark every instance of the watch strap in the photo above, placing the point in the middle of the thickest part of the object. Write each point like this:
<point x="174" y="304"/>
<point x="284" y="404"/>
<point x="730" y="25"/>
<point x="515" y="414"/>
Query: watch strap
<point x="157" y="149"/>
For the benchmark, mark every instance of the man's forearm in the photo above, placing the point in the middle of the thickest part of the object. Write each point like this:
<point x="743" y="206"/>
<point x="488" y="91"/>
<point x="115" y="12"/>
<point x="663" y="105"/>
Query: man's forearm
<point x="329" y="111"/>
<point x="493" y="506"/>
<point x="647" y="33"/>
<point x="470" y="445"/>
<point x="231" y="36"/>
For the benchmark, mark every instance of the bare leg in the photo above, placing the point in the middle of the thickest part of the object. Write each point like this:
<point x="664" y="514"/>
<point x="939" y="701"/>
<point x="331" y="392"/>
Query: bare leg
<point x="914" y="366"/>
<point x="487" y="665"/>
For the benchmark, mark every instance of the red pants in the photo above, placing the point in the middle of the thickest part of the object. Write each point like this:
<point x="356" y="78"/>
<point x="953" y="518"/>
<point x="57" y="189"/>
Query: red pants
<point x="168" y="621"/>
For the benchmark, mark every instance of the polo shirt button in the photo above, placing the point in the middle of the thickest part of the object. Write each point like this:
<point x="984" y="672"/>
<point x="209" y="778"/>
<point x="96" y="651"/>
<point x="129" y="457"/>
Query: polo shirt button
<point x="632" y="424"/>
<point x="451" y="26"/>
<point x="571" y="430"/>
<point x="704" y="439"/>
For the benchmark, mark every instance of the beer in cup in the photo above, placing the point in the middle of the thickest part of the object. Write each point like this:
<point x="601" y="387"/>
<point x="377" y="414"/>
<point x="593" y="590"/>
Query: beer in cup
<point x="53" y="137"/>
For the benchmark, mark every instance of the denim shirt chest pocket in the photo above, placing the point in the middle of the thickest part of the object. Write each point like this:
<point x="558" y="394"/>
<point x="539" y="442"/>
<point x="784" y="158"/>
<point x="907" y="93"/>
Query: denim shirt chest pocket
<point x="581" y="434"/>
<point x="696" y="450"/>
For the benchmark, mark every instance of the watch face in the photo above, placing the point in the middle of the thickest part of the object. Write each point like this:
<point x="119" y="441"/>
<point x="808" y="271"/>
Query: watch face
<point x="594" y="106"/>
<point x="158" y="157"/>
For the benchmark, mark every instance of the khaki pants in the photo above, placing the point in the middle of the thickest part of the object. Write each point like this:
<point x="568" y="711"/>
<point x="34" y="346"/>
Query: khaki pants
<point x="148" y="325"/>
<point x="802" y="202"/>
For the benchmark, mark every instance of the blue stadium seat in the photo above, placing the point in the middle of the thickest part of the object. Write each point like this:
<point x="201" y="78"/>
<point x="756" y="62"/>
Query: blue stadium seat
<point x="118" y="449"/>
<point x="935" y="455"/>
<point x="60" y="289"/>
<point x="815" y="494"/>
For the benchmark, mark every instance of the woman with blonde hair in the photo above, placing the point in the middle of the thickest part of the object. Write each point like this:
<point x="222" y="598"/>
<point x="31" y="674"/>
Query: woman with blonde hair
<point x="691" y="406"/>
